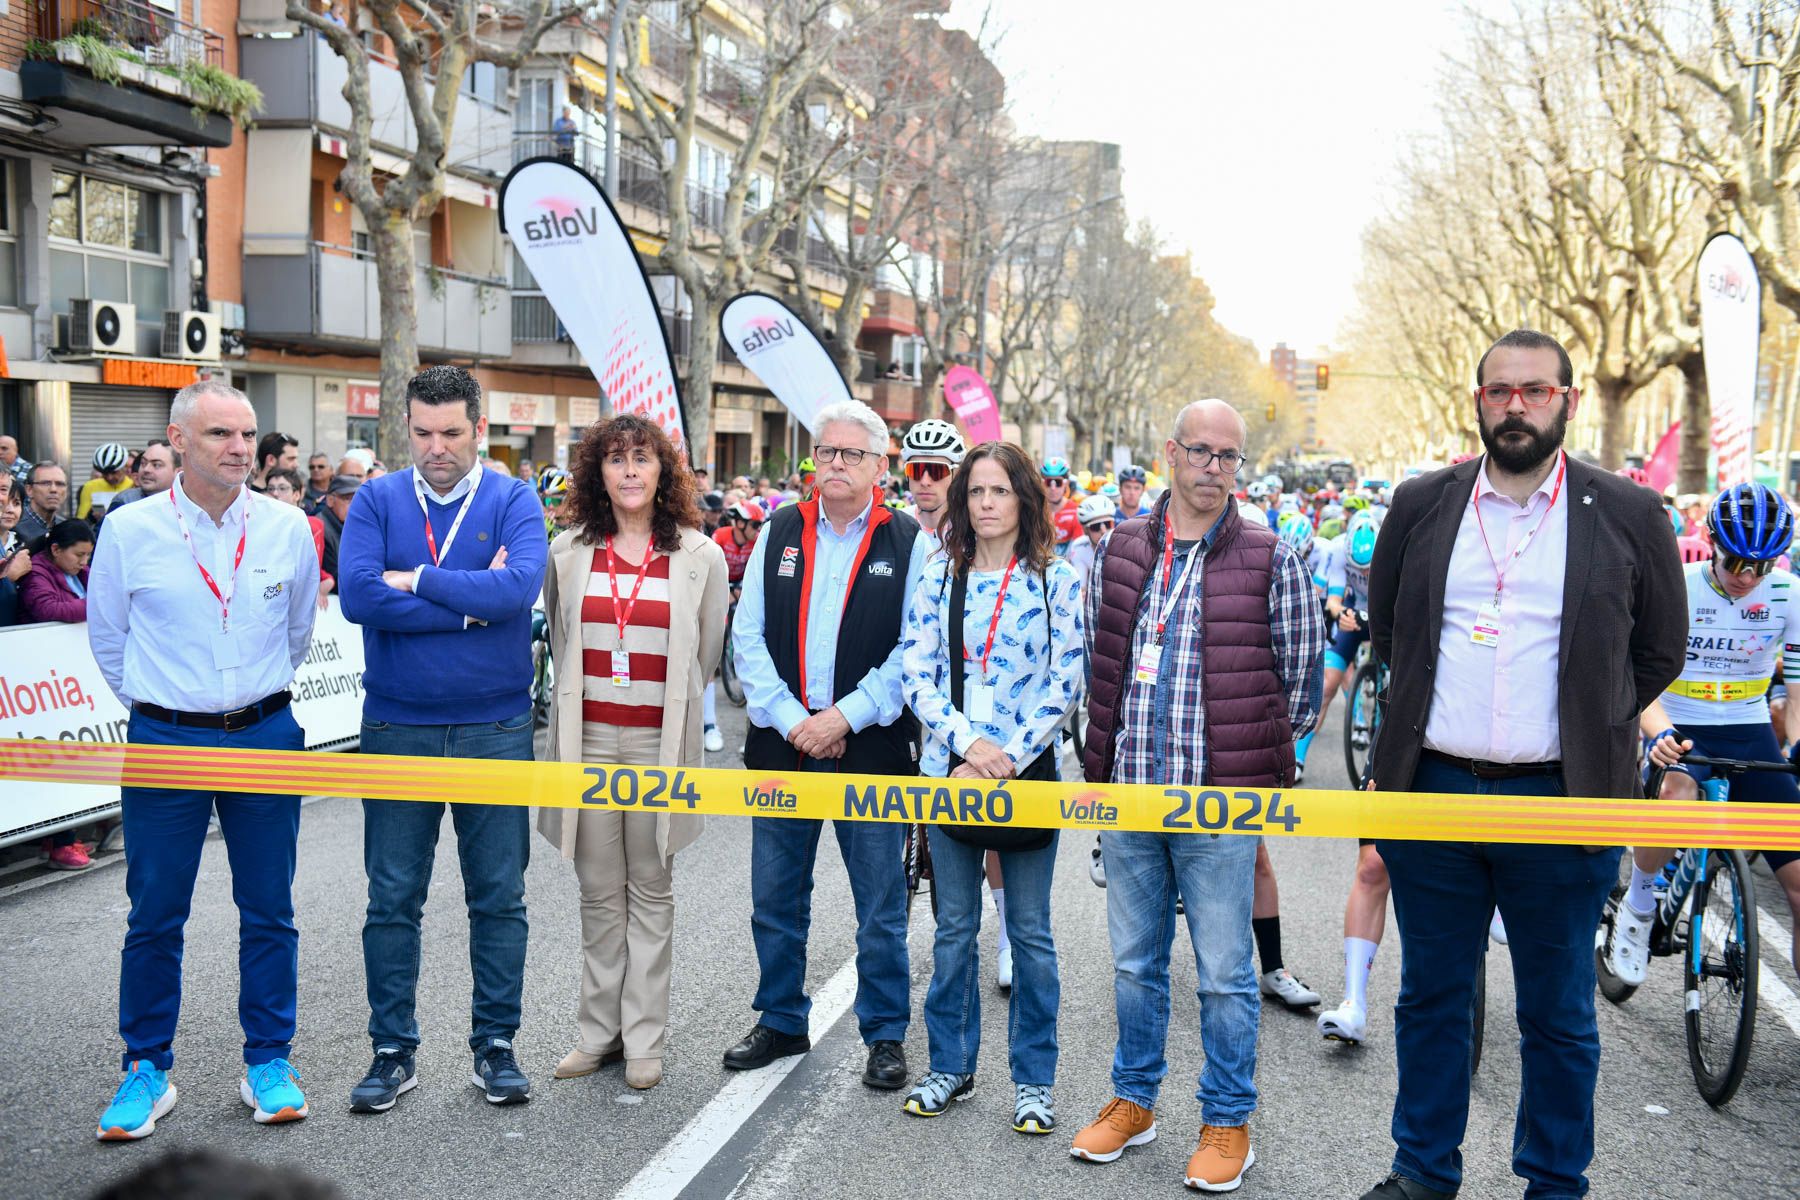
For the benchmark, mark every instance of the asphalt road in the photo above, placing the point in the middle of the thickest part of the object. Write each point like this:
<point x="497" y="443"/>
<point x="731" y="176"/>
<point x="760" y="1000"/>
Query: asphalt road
<point x="1321" y="1130"/>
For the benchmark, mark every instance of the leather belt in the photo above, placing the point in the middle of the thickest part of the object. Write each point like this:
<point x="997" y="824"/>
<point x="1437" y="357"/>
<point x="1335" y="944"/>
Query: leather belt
<point x="231" y="722"/>
<point x="1481" y="769"/>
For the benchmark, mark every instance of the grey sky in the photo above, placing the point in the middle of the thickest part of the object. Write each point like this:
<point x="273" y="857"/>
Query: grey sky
<point x="1256" y="135"/>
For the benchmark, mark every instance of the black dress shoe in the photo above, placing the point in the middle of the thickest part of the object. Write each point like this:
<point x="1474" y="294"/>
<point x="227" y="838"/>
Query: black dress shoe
<point x="887" y="1066"/>
<point x="1399" y="1187"/>
<point x="762" y="1046"/>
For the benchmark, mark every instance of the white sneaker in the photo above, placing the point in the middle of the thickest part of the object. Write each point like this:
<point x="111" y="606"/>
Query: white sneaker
<point x="1282" y="985"/>
<point x="1299" y="774"/>
<point x="1497" y="928"/>
<point x="1005" y="969"/>
<point x="1097" y="867"/>
<point x="1629" y="955"/>
<point x="1345" y="1023"/>
<point x="712" y="739"/>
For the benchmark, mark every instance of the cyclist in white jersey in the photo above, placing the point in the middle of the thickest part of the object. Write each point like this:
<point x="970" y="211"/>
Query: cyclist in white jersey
<point x="1743" y="614"/>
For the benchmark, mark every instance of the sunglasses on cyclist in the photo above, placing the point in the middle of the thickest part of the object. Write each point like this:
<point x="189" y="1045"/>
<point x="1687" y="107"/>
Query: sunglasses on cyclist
<point x="1733" y="565"/>
<point x="928" y="470"/>
<point x="1102" y="526"/>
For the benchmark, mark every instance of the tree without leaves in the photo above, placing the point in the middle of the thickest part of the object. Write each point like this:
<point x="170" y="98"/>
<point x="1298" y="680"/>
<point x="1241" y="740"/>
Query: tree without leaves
<point x="434" y="41"/>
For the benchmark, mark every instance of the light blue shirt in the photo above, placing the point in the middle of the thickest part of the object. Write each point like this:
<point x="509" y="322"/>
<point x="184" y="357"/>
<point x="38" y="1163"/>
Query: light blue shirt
<point x="876" y="699"/>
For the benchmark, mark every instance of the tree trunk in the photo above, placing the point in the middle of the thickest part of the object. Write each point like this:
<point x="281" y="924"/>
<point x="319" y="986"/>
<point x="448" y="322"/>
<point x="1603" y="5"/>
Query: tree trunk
<point x="696" y="389"/>
<point x="1696" y="423"/>
<point x="396" y="274"/>
<point x="1614" y="417"/>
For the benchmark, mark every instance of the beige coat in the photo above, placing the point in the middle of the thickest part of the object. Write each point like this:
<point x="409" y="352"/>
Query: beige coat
<point x="698" y="594"/>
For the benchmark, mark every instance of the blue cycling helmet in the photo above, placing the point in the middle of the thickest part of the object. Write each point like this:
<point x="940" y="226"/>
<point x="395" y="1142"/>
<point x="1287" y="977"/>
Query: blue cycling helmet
<point x="1752" y="522"/>
<point x="1361" y="540"/>
<point x="1055" y="468"/>
<point x="1675" y="519"/>
<point x="1130" y="473"/>
<point x="1297" y="532"/>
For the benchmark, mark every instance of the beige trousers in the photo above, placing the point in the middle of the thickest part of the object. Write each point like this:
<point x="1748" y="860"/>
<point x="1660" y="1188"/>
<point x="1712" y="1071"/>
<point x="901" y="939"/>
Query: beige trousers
<point x="627" y="911"/>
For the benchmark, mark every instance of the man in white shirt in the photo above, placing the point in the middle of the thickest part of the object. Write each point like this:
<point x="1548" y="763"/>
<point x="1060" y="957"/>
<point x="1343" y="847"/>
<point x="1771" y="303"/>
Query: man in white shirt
<point x="1529" y="606"/>
<point x="200" y="609"/>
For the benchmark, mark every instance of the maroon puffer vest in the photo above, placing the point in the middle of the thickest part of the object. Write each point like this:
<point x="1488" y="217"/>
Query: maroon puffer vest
<point x="1249" y="742"/>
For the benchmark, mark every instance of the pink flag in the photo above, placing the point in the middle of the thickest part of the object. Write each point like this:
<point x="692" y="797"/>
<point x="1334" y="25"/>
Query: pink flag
<point x="1665" y="464"/>
<point x="974" y="404"/>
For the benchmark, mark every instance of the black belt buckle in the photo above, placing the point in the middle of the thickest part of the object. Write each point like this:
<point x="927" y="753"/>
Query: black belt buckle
<point x="241" y="719"/>
<point x="1491" y="770"/>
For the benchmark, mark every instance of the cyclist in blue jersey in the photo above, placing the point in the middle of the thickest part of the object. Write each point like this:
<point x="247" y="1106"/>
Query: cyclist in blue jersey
<point x="1131" y="493"/>
<point x="1743" y="616"/>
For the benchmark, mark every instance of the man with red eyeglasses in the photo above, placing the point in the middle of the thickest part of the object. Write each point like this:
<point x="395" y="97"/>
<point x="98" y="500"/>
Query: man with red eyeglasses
<point x="930" y="450"/>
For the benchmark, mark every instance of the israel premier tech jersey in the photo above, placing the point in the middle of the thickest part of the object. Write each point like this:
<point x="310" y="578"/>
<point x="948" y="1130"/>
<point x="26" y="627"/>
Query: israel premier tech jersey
<point x="1732" y="648"/>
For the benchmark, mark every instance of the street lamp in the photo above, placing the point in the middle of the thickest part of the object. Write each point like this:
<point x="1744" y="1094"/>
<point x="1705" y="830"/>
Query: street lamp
<point x="987" y="276"/>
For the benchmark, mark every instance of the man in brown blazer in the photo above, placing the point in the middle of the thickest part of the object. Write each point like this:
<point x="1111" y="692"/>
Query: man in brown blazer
<point x="1528" y="606"/>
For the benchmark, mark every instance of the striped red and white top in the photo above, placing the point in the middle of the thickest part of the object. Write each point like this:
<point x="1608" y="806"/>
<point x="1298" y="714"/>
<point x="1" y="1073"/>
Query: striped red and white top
<point x="638" y="705"/>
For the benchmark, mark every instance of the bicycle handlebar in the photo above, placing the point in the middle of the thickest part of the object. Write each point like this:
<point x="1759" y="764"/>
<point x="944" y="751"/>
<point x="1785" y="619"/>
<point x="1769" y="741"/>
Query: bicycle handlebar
<point x="1739" y="765"/>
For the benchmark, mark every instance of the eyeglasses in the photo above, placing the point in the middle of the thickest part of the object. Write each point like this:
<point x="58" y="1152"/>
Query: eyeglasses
<point x="850" y="455"/>
<point x="927" y="470"/>
<point x="1230" y="461"/>
<point x="1499" y="395"/>
<point x="1731" y="564"/>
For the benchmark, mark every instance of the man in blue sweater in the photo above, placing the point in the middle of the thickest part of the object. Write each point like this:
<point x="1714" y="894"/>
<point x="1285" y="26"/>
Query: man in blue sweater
<point x="440" y="565"/>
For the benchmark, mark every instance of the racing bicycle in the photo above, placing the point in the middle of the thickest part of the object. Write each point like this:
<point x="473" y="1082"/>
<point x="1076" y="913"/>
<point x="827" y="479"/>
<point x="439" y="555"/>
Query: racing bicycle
<point x="728" y="676"/>
<point x="915" y="856"/>
<point x="1362" y="715"/>
<point x="1716" y="937"/>
<point x="543" y="669"/>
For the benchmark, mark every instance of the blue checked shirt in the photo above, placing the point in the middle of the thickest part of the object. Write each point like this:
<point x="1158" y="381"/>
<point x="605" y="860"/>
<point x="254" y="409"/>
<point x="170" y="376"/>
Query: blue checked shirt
<point x="1162" y="727"/>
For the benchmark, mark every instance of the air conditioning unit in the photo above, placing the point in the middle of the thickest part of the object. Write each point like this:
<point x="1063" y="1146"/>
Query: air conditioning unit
<point x="190" y="334"/>
<point x="102" y="327"/>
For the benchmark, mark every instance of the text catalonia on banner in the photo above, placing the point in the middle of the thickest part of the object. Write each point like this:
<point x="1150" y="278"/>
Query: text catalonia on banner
<point x="1555" y="820"/>
<point x="577" y="249"/>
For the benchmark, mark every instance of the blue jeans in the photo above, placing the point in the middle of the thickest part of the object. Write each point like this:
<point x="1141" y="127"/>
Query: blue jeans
<point x="165" y="832"/>
<point x="953" y="1005"/>
<point x="782" y="852"/>
<point x="1215" y="878"/>
<point x="1550" y="898"/>
<point x="493" y="843"/>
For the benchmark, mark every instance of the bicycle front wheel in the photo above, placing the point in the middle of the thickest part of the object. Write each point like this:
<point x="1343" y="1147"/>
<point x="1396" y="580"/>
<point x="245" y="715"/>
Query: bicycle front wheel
<point x="728" y="676"/>
<point x="1478" y="1015"/>
<point x="1721" y="976"/>
<point x="1359" y="723"/>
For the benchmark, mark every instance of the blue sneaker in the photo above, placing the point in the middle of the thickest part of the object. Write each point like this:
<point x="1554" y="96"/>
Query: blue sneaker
<point x="497" y="1074"/>
<point x="273" y="1090"/>
<point x="390" y="1076"/>
<point x="145" y="1095"/>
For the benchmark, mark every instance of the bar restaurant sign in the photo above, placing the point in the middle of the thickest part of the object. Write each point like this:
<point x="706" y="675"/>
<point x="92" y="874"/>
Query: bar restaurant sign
<point x="148" y="372"/>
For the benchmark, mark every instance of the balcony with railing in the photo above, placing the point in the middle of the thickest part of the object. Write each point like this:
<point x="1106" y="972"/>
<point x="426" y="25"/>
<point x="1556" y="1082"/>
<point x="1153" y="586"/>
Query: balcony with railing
<point x="118" y="73"/>
<point x="329" y="296"/>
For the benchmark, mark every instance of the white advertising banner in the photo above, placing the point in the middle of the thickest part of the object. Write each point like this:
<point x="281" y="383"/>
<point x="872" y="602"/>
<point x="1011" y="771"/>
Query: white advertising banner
<point x="1730" y="330"/>
<point x="577" y="249"/>
<point x="775" y="344"/>
<point x="52" y="690"/>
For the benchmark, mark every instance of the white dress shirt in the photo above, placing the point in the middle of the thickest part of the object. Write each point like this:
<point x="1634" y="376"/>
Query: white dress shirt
<point x="154" y="625"/>
<point x="1499" y="703"/>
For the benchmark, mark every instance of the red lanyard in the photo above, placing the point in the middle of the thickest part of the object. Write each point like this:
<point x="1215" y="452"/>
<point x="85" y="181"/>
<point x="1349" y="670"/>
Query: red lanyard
<point x="430" y="537"/>
<point x="809" y="541"/>
<point x="224" y="598"/>
<point x="1168" y="564"/>
<point x="994" y="623"/>
<point x="622" y="614"/>
<point x="1499" y="571"/>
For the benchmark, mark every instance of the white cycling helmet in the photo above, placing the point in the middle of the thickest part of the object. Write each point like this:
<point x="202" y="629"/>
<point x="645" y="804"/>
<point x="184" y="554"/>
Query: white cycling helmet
<point x="1272" y="482"/>
<point x="110" y="457"/>
<point x="1257" y="490"/>
<point x="1097" y="507"/>
<point x="932" y="438"/>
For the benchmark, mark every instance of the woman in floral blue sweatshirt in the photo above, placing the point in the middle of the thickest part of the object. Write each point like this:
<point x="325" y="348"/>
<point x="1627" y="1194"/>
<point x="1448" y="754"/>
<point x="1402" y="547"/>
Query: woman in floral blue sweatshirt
<point x="991" y="664"/>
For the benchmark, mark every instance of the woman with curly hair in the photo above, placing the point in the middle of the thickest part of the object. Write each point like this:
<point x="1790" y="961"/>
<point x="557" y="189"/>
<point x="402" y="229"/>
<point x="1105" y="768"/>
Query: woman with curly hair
<point x="635" y="603"/>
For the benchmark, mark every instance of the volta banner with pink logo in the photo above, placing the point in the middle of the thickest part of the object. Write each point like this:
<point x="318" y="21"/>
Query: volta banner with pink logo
<point x="575" y="246"/>
<point x="1730" y="330"/>
<point x="774" y="343"/>
<point x="973" y="401"/>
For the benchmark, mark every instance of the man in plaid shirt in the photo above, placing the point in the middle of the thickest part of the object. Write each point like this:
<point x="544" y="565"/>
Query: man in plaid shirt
<point x="1149" y="710"/>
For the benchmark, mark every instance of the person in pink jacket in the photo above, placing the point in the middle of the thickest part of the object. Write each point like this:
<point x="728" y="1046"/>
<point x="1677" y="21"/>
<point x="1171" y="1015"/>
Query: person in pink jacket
<point x="56" y="587"/>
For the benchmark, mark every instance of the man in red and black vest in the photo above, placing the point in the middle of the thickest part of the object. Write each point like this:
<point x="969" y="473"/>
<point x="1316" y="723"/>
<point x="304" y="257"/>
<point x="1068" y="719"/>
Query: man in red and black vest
<point x="817" y="640"/>
<point x="1206" y="652"/>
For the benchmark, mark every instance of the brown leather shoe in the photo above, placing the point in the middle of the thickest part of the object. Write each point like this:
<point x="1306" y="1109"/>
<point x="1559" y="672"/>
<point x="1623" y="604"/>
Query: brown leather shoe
<point x="579" y="1062"/>
<point x="1120" y="1124"/>
<point x="1219" y="1162"/>
<point x="643" y="1073"/>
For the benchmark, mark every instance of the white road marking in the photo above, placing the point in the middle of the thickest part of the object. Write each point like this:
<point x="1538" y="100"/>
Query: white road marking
<point x="1770" y="988"/>
<point x="687" y="1153"/>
